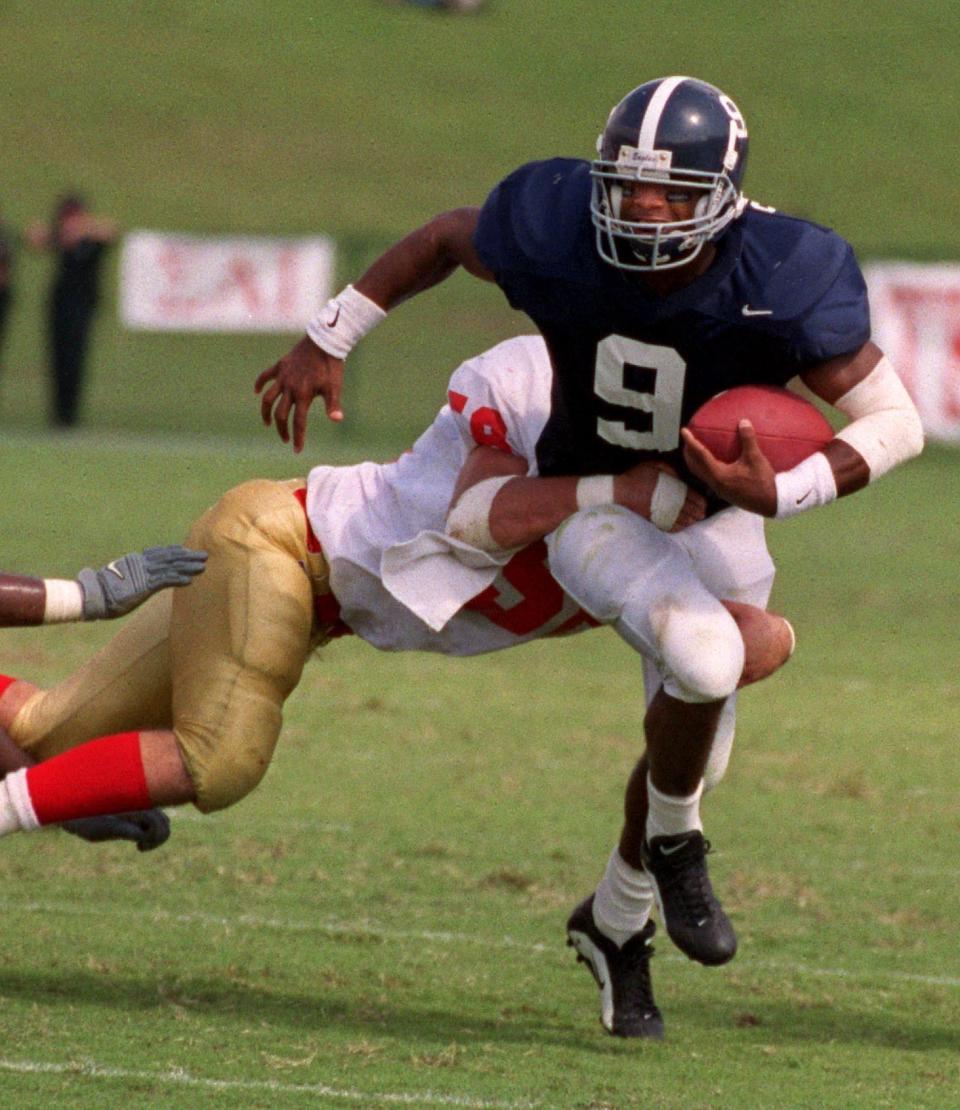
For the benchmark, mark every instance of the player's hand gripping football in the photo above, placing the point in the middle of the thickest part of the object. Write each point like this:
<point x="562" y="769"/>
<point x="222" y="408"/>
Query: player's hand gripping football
<point x="147" y="828"/>
<point x="303" y="373"/>
<point x="125" y="583"/>
<point x="749" y="481"/>
<point x="635" y="490"/>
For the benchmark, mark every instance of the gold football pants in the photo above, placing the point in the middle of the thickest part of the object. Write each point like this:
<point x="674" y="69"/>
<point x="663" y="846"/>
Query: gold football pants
<point x="214" y="661"/>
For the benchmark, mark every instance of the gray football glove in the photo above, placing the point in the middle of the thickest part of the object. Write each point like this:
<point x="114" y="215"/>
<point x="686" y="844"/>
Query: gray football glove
<point x="147" y="828"/>
<point x="123" y="584"/>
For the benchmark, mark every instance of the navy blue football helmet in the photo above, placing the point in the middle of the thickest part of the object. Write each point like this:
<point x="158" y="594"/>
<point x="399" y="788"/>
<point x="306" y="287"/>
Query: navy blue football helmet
<point x="677" y="131"/>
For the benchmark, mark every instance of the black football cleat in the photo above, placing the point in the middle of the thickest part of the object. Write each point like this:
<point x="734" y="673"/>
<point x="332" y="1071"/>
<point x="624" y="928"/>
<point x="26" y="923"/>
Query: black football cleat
<point x="627" y="1008"/>
<point x="693" y="917"/>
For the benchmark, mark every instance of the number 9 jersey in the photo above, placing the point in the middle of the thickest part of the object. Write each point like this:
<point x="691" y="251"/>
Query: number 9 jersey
<point x="630" y="367"/>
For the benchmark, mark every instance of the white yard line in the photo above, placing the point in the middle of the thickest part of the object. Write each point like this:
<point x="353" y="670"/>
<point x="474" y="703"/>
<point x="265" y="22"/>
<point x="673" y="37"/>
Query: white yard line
<point x="365" y="928"/>
<point x="180" y="1077"/>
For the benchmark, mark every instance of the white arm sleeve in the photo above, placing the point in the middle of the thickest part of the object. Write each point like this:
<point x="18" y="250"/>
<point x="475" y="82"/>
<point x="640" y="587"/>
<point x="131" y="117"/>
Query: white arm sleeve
<point x="884" y="423"/>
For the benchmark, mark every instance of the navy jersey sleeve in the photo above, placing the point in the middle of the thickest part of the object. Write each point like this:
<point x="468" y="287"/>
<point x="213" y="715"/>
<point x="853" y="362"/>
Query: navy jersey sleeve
<point x="839" y="322"/>
<point x="821" y="294"/>
<point x="531" y="227"/>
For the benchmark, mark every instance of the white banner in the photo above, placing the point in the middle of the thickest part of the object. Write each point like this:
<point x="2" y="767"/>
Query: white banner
<point x="915" y="311"/>
<point x="190" y="283"/>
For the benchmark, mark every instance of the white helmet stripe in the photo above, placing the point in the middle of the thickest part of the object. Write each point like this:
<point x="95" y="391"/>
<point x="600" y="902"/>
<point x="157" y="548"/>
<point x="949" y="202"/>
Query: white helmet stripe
<point x="651" y="117"/>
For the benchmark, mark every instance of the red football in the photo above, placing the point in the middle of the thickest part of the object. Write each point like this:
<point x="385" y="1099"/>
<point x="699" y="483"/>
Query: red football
<point x="788" y="427"/>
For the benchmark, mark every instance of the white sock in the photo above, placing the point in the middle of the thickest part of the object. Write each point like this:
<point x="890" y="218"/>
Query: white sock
<point x="16" y="809"/>
<point x="623" y="900"/>
<point x="669" y="814"/>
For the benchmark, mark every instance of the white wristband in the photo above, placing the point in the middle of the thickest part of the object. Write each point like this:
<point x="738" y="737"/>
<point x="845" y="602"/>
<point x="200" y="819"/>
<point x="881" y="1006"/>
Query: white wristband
<point x="807" y="485"/>
<point x="342" y="322"/>
<point x="669" y="495"/>
<point x="64" y="601"/>
<point x="597" y="489"/>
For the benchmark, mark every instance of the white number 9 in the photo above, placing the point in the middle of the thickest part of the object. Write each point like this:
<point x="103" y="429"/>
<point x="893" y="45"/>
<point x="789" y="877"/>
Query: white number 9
<point x="658" y="375"/>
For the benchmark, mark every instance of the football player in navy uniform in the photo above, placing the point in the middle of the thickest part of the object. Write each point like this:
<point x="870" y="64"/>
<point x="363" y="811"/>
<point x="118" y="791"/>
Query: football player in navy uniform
<point x="656" y="284"/>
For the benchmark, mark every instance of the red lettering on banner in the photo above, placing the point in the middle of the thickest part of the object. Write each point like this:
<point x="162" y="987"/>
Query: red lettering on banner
<point x="244" y="277"/>
<point x="906" y="302"/>
<point x="170" y="261"/>
<point x="218" y="283"/>
<point x="920" y="310"/>
<point x="951" y="377"/>
<point x="287" y="282"/>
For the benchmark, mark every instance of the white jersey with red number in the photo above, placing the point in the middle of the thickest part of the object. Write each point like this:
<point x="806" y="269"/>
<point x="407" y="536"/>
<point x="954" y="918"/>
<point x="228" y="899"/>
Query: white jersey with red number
<point x="401" y="583"/>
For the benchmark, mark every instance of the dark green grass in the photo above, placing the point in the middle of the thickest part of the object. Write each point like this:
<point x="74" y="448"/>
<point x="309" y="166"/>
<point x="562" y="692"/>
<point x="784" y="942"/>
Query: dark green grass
<point x="384" y="916"/>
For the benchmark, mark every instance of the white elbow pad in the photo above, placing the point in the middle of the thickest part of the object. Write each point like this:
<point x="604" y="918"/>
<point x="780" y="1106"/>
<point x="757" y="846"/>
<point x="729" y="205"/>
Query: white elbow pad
<point x="469" y="520"/>
<point x="885" y="427"/>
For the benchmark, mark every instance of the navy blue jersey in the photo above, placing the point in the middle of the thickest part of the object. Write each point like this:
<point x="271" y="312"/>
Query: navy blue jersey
<point x="631" y="367"/>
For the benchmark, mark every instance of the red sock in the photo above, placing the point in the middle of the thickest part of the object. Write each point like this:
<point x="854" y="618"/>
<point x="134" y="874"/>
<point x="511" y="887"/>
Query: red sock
<point x="103" y="776"/>
<point x="5" y="681"/>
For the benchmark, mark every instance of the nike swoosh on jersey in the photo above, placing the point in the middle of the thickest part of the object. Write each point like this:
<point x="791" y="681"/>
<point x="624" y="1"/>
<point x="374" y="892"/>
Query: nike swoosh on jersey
<point x="748" y="311"/>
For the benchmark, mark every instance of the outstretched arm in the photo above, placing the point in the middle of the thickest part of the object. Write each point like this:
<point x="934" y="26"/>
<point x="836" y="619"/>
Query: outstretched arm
<point x="111" y="591"/>
<point x="314" y="367"/>
<point x="495" y="505"/>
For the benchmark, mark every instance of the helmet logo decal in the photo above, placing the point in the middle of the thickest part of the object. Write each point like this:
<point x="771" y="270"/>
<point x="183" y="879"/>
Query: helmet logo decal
<point x="651" y="161"/>
<point x="738" y="131"/>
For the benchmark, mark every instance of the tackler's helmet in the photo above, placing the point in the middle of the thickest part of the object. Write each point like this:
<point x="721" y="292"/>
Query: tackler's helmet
<point x="675" y="131"/>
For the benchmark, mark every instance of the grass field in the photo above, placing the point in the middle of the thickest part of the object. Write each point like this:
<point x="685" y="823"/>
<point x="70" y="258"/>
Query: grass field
<point x="382" y="922"/>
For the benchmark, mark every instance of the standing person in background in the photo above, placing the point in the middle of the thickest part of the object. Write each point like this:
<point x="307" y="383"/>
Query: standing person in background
<point x="79" y="239"/>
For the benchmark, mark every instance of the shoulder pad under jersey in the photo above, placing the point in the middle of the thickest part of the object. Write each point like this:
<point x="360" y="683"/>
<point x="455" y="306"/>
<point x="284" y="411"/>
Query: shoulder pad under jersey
<point x="502" y="396"/>
<point x="537" y="218"/>
<point x="792" y="263"/>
